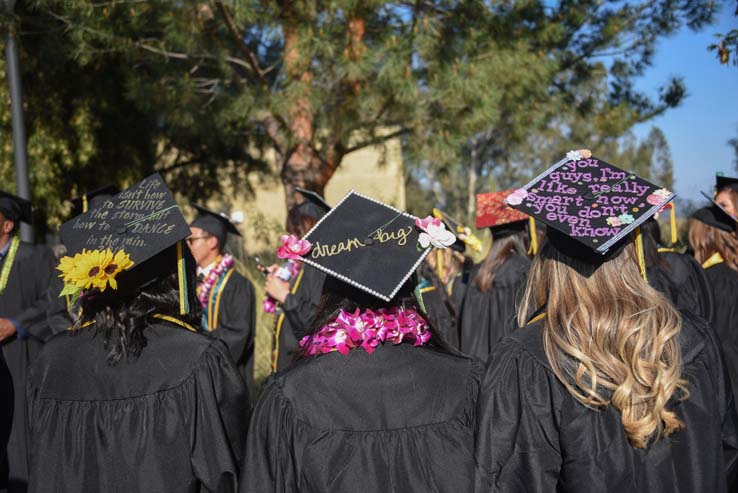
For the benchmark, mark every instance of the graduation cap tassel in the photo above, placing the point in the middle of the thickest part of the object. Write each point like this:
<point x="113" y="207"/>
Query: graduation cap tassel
<point x="184" y="304"/>
<point x="673" y="225"/>
<point x="640" y="253"/>
<point x="84" y="203"/>
<point x="533" y="236"/>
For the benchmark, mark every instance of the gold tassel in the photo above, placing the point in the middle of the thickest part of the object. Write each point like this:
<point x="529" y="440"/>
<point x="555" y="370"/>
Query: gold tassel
<point x="84" y="203"/>
<point x="184" y="304"/>
<point x="533" y="236"/>
<point x="640" y="253"/>
<point x="673" y="225"/>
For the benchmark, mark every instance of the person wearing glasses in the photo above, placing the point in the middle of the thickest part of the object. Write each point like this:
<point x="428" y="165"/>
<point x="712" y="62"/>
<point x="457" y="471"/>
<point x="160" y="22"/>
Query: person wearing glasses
<point x="227" y="298"/>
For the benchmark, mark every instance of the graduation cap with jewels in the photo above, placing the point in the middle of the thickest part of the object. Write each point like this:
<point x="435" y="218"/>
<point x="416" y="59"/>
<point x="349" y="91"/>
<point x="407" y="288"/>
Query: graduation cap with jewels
<point x="369" y="245"/>
<point x="134" y="235"/>
<point x="494" y="213"/>
<point x="589" y="201"/>
<point x="15" y="208"/>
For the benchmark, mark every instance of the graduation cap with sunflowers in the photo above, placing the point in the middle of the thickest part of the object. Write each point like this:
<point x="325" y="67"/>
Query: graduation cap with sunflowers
<point x="125" y="243"/>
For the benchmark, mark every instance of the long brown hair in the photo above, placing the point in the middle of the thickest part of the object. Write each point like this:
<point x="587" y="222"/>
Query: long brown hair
<point x="500" y="250"/>
<point x="611" y="339"/>
<point x="707" y="240"/>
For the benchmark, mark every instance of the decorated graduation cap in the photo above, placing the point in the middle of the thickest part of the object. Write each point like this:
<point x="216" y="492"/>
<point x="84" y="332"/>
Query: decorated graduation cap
<point x="15" y="208"/>
<point x="217" y="224"/>
<point x="314" y="204"/>
<point x="494" y="213"/>
<point x="370" y="245"/>
<point x="126" y="242"/>
<point x="93" y="199"/>
<point x="722" y="182"/>
<point x="589" y="205"/>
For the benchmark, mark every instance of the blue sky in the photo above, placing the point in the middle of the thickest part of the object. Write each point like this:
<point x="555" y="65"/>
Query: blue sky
<point x="699" y="129"/>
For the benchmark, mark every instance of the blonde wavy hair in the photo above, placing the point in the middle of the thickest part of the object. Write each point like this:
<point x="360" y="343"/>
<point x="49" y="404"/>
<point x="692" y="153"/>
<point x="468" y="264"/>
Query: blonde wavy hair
<point x="707" y="240"/>
<point x="611" y="339"/>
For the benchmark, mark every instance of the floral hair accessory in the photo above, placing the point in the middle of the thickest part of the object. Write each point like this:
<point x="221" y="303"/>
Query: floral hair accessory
<point x="434" y="233"/>
<point x="92" y="269"/>
<point x="367" y="330"/>
<point x="292" y="247"/>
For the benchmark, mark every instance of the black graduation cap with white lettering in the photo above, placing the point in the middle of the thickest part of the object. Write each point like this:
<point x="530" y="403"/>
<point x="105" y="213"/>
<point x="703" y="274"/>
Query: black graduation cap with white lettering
<point x="366" y="244"/>
<point x="15" y="208"/>
<point x="589" y="200"/>
<point x="142" y="220"/>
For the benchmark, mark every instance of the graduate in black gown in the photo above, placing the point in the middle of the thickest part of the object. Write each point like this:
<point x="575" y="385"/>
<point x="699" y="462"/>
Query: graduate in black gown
<point x="678" y="276"/>
<point x="608" y="388"/>
<point x="712" y="237"/>
<point x="25" y="273"/>
<point x="495" y="285"/>
<point x="227" y="298"/>
<point x="135" y="397"/>
<point x="377" y="403"/>
<point x="6" y="418"/>
<point x="298" y="298"/>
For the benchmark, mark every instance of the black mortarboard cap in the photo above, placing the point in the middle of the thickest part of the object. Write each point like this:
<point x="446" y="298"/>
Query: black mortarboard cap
<point x="722" y="182"/>
<point x="589" y="201"/>
<point x="314" y="205"/>
<point x="715" y="217"/>
<point x="93" y="199"/>
<point x="15" y="208"/>
<point x="142" y="220"/>
<point x="217" y="224"/>
<point x="366" y="244"/>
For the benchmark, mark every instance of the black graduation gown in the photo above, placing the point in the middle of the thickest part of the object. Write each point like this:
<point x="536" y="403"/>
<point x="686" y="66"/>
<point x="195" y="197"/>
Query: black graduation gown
<point x="398" y="420"/>
<point x="533" y="436"/>
<point x="682" y="279"/>
<point x="724" y="282"/>
<point x="488" y="317"/>
<point x="25" y="301"/>
<point x="297" y="313"/>
<point x="233" y="314"/>
<point x="6" y="417"/>
<point x="440" y="313"/>
<point x="174" y="419"/>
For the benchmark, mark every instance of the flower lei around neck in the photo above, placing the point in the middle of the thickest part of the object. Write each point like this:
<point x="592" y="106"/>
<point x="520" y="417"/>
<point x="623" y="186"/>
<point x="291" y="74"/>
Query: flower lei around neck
<point x="367" y="330"/>
<point x="204" y="287"/>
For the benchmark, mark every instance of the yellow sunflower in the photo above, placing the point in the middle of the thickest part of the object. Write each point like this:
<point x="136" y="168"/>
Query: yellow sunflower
<point x="92" y="269"/>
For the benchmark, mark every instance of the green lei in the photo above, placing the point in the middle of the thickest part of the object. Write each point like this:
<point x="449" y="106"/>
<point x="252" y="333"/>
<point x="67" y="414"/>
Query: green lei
<point x="5" y="273"/>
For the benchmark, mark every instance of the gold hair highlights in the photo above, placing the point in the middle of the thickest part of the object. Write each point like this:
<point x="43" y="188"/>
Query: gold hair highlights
<point x="611" y="339"/>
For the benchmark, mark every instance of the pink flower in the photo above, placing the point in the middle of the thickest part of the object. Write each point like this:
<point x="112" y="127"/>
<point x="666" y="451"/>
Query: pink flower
<point x="292" y="247"/>
<point x="517" y="197"/>
<point x="434" y="233"/>
<point x="423" y="224"/>
<point x="269" y="305"/>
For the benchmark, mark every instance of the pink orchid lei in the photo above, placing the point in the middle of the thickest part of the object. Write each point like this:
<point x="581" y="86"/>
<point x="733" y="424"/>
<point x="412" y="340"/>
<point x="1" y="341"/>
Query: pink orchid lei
<point x="367" y="330"/>
<point x="206" y="285"/>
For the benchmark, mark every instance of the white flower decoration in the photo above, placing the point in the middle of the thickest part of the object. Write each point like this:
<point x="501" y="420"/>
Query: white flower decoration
<point x="573" y="155"/>
<point x="434" y="233"/>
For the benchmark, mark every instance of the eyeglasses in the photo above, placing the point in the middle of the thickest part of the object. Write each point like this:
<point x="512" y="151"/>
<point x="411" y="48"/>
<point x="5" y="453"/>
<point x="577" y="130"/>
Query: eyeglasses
<point x="192" y="239"/>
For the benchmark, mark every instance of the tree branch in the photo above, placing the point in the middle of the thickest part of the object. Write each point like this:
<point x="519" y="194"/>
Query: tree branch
<point x="250" y="56"/>
<point x="377" y="140"/>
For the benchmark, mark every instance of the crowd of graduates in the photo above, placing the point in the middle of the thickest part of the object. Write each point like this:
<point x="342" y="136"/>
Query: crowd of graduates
<point x="583" y="353"/>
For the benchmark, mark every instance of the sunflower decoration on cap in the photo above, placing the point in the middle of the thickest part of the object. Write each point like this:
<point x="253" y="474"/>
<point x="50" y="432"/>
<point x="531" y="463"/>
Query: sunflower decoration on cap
<point x="92" y="269"/>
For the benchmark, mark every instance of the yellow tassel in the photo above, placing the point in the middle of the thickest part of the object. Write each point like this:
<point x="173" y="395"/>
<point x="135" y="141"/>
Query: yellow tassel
<point x="84" y="203"/>
<point x="673" y="225"/>
<point x="184" y="305"/>
<point x="640" y="253"/>
<point x="533" y="236"/>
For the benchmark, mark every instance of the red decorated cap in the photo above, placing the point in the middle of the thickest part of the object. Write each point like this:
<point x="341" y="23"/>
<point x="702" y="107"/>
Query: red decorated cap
<point x="493" y="211"/>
